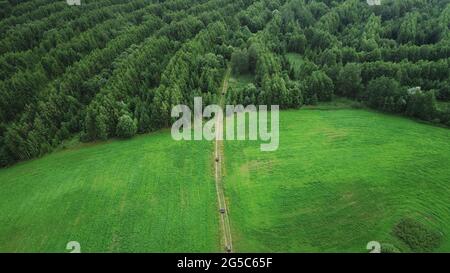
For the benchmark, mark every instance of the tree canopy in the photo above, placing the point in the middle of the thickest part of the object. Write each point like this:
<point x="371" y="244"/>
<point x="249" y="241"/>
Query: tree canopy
<point x="113" y="68"/>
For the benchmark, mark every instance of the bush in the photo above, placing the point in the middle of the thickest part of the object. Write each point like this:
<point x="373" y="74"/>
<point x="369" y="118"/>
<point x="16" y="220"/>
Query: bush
<point x="356" y="105"/>
<point x="380" y="90"/>
<point x="349" y="81"/>
<point x="418" y="237"/>
<point x="422" y="105"/>
<point x="319" y="85"/>
<point x="126" y="127"/>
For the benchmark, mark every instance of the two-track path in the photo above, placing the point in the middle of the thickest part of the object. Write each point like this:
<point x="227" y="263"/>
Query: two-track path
<point x="218" y="162"/>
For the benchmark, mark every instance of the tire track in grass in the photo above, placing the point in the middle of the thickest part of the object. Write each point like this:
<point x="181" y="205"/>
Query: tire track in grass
<point x="218" y="158"/>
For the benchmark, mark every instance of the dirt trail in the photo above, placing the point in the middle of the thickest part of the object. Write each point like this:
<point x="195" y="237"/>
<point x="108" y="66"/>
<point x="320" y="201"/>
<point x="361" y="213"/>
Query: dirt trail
<point x="218" y="158"/>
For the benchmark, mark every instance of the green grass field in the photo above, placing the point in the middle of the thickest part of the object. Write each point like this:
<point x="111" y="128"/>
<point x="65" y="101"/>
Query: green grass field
<point x="148" y="194"/>
<point x="340" y="179"/>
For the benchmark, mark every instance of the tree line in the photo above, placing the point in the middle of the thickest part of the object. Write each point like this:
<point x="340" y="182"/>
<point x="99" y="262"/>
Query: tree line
<point x="124" y="84"/>
<point x="114" y="68"/>
<point x="393" y="57"/>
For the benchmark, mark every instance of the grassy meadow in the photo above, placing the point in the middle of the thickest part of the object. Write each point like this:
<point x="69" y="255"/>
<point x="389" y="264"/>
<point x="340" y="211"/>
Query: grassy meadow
<point x="340" y="178"/>
<point x="77" y="80"/>
<point x="148" y="194"/>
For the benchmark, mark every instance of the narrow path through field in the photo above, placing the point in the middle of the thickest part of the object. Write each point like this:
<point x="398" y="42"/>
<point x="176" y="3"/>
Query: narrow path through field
<point x="223" y="209"/>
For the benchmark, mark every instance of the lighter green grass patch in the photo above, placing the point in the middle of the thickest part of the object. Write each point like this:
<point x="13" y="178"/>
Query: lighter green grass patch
<point x="338" y="180"/>
<point x="148" y="194"/>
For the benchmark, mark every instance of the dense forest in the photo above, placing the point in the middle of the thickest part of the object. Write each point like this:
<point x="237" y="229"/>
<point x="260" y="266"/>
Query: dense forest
<point x="114" y="68"/>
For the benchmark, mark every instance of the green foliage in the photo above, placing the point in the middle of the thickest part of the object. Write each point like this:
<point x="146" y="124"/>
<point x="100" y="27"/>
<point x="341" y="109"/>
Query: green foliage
<point x="80" y="68"/>
<point x="381" y="88"/>
<point x="320" y="86"/>
<point x="295" y="94"/>
<point x="417" y="236"/>
<point x="5" y="8"/>
<point x="240" y="61"/>
<point x="297" y="43"/>
<point x="95" y="125"/>
<point x="319" y="39"/>
<point x="349" y="82"/>
<point x="422" y="105"/>
<point x="126" y="127"/>
<point x="408" y="29"/>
